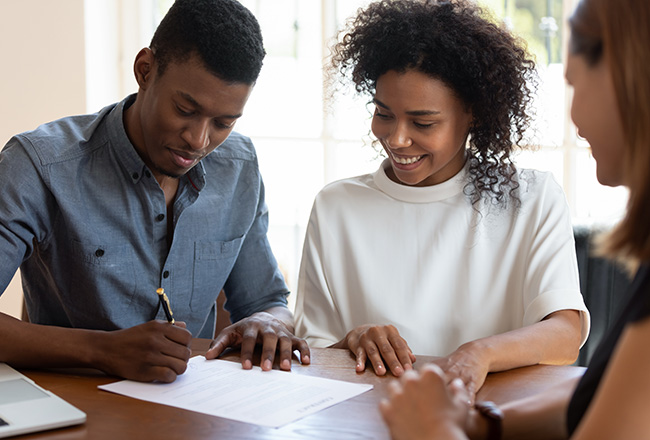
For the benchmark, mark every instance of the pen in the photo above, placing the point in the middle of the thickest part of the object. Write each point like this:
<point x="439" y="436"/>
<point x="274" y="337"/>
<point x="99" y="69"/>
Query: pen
<point x="164" y="302"/>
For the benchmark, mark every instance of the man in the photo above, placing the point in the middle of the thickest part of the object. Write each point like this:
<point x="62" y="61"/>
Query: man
<point x="100" y="210"/>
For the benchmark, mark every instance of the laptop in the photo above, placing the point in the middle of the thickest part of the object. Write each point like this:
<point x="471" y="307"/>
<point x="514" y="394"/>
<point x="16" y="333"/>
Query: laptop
<point x="26" y="407"/>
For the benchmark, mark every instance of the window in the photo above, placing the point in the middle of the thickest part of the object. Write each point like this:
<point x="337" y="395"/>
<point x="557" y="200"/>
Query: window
<point x="543" y="24"/>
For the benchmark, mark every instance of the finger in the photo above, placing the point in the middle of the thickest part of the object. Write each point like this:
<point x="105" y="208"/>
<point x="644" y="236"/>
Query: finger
<point x="385" y="408"/>
<point x="269" y="346"/>
<point x="180" y="324"/>
<point x="302" y="346"/>
<point x="159" y="374"/>
<point x="361" y="360"/>
<point x="179" y="366"/>
<point x="396" y="387"/>
<point x="284" y="350"/>
<point x="457" y="385"/>
<point x="248" y="343"/>
<point x="390" y="357"/>
<point x="219" y="345"/>
<point x="177" y="351"/>
<point x="179" y="335"/>
<point x="373" y="355"/>
<point x="471" y="390"/>
<point x="163" y="369"/>
<point x="402" y="352"/>
<point x="459" y="392"/>
<point x="434" y="373"/>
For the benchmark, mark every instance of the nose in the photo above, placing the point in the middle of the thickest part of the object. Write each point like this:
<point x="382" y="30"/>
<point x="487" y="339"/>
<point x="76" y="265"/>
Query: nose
<point x="398" y="137"/>
<point x="197" y="134"/>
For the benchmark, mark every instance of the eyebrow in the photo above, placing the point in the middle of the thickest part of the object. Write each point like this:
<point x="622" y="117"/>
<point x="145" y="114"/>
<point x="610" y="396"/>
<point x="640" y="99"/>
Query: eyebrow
<point x="412" y="112"/>
<point x="199" y="107"/>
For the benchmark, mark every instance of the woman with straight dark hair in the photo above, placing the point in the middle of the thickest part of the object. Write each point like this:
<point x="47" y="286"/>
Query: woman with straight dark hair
<point x="609" y="69"/>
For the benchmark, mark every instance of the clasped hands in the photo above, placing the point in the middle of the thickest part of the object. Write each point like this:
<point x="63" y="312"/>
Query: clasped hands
<point x="428" y="404"/>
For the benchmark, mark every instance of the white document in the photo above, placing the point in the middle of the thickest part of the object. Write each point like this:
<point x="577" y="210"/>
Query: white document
<point x="222" y="388"/>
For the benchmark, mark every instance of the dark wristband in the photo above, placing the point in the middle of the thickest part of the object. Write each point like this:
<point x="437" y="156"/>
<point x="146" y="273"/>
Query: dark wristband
<point x="494" y="416"/>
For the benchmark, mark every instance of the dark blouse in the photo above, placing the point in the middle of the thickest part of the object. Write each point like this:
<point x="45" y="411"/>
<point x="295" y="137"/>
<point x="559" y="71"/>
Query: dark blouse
<point x="637" y="309"/>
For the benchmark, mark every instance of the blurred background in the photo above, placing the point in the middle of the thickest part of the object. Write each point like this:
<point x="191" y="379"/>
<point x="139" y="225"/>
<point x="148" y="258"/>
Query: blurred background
<point x="70" y="57"/>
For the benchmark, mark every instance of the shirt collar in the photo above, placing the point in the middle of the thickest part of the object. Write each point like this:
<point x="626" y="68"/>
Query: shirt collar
<point x="420" y="194"/>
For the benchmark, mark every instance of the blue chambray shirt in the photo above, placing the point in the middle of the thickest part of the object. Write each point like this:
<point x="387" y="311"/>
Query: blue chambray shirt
<point x="85" y="220"/>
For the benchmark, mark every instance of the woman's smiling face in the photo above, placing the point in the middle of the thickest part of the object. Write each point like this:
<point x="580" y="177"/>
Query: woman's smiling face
<point x="422" y="125"/>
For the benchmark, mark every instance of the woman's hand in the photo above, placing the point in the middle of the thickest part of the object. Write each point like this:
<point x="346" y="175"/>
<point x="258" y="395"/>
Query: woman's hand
<point x="468" y="363"/>
<point x="422" y="406"/>
<point x="382" y="345"/>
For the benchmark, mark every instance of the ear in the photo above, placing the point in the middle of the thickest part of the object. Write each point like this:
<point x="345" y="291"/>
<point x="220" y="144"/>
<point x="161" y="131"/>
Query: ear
<point x="144" y="67"/>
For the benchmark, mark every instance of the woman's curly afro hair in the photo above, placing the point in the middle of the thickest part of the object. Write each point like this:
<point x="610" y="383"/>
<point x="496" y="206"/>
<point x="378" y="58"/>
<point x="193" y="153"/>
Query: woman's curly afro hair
<point x="455" y="42"/>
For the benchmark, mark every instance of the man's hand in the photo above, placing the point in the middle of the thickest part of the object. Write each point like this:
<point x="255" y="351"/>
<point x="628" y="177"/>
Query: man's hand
<point x="422" y="406"/>
<point x="153" y="351"/>
<point x="261" y="328"/>
<point x="380" y="344"/>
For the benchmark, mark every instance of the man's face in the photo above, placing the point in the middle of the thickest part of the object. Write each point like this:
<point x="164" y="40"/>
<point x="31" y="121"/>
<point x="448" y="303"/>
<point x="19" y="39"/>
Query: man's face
<point x="183" y="115"/>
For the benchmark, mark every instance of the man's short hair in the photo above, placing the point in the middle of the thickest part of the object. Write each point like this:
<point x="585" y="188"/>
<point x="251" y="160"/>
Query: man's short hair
<point x="223" y="33"/>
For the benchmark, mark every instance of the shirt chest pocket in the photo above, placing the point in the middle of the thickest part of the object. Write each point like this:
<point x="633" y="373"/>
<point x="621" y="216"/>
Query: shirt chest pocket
<point x="106" y="280"/>
<point x="213" y="262"/>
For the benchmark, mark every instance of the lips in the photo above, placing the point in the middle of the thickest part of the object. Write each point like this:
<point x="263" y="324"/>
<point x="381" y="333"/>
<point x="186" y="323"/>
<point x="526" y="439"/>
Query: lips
<point x="183" y="159"/>
<point x="405" y="160"/>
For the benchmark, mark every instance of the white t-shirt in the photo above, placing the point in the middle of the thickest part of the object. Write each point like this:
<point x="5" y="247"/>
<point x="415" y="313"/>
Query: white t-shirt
<point x="424" y="259"/>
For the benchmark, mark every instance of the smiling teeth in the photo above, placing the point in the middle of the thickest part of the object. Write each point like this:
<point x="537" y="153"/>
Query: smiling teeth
<point x="406" y="161"/>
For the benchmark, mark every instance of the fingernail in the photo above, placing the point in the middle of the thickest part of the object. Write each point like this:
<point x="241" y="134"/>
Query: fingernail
<point x="247" y="365"/>
<point x="267" y="364"/>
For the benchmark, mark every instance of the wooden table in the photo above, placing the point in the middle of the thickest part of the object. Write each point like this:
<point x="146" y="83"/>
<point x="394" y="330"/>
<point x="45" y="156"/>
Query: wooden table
<point x="111" y="416"/>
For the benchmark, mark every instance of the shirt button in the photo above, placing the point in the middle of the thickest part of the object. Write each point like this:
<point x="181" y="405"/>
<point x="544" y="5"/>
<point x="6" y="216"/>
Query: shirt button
<point x="147" y="173"/>
<point x="99" y="252"/>
<point x="160" y="217"/>
<point x="135" y="176"/>
<point x="166" y="274"/>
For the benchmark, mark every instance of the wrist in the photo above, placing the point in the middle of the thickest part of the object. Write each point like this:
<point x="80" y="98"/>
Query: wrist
<point x="351" y="339"/>
<point x="480" y="349"/>
<point x="95" y="349"/>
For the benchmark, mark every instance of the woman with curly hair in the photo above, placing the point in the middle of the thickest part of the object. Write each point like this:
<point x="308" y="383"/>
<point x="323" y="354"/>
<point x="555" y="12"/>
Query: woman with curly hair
<point x="448" y="249"/>
<point x="609" y="68"/>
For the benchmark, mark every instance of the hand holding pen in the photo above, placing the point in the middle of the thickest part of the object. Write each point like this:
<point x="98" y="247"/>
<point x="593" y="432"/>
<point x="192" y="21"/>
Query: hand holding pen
<point x="151" y="351"/>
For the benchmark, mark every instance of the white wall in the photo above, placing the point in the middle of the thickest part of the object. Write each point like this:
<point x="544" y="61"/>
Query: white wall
<point x="42" y="76"/>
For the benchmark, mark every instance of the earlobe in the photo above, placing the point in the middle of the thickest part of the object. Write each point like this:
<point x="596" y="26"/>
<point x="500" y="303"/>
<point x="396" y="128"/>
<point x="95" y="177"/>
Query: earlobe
<point x="143" y="67"/>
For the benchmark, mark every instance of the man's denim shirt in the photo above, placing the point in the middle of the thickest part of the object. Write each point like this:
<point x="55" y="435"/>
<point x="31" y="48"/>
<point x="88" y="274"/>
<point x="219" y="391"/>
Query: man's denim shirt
<point x="85" y="220"/>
